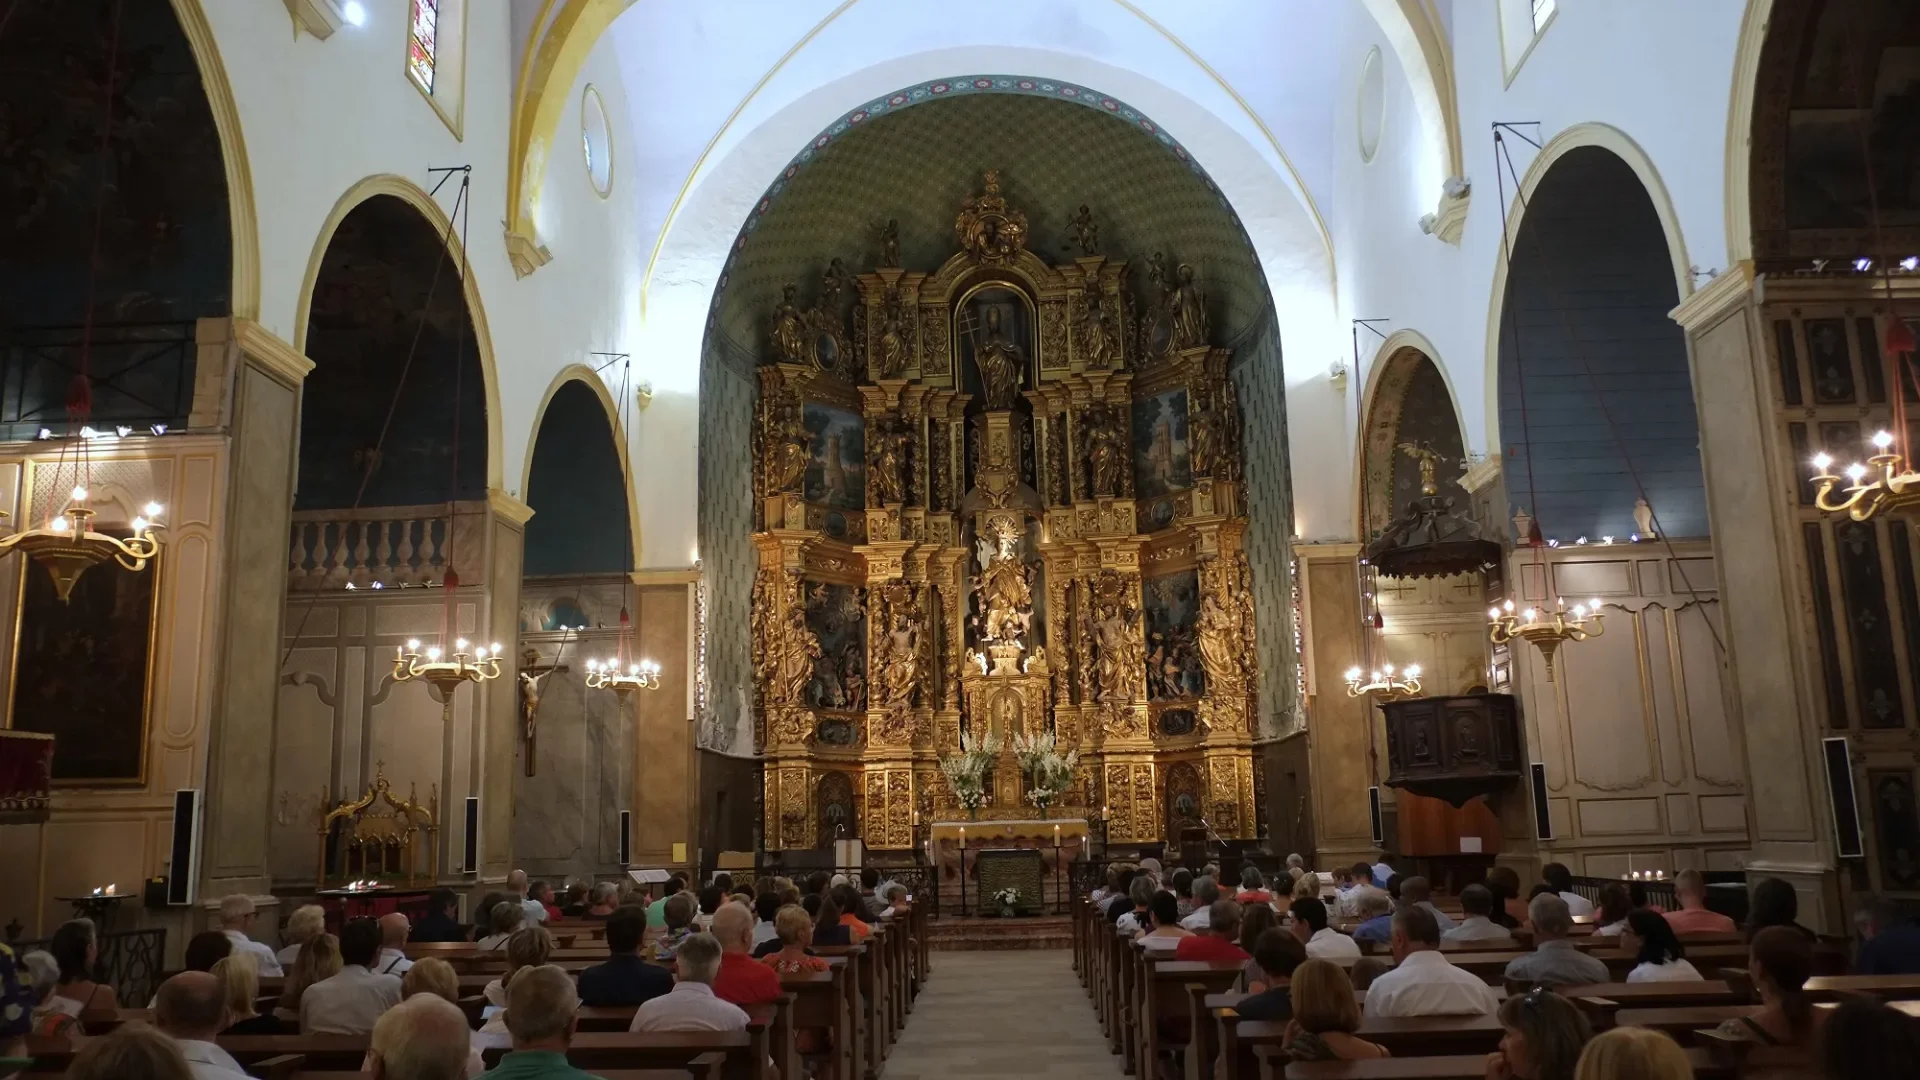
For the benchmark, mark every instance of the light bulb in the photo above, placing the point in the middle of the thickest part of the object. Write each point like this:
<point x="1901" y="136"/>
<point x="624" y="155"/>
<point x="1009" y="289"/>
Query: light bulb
<point x="1493" y="613"/>
<point x="1509" y="605"/>
<point x="153" y="509"/>
<point x="1353" y="674"/>
<point x="1389" y="669"/>
<point x="354" y="12"/>
<point x="79" y="494"/>
<point x="1594" y="604"/>
<point x="1856" y="471"/>
<point x="1822" y="460"/>
<point x="1413" y="671"/>
<point x="58" y="525"/>
<point x="1910" y="263"/>
<point x="433" y="653"/>
<point x="1883" y="439"/>
<point x="593" y="665"/>
<point x="481" y="655"/>
<point x="495" y="647"/>
<point x="1527" y="615"/>
<point x="1579" y="611"/>
<point x="140" y="526"/>
<point x="413" y="644"/>
<point x="460" y="644"/>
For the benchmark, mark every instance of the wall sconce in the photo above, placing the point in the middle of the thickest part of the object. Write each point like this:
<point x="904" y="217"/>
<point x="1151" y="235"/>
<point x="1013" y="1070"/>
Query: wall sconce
<point x="643" y="394"/>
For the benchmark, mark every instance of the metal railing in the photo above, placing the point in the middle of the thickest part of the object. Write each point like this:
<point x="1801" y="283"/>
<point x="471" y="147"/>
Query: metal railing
<point x="130" y="961"/>
<point x="139" y="373"/>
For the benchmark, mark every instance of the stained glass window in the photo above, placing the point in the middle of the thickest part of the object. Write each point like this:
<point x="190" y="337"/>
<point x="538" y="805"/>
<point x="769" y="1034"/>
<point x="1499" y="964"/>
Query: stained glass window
<point x="1542" y="11"/>
<point x="422" y="37"/>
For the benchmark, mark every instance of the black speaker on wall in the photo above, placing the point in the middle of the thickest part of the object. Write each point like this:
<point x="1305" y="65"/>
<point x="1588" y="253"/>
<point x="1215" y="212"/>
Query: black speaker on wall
<point x="1373" y="814"/>
<point x="1542" y="820"/>
<point x="183" y="872"/>
<point x="1846" y="812"/>
<point x="626" y="837"/>
<point x="470" y="843"/>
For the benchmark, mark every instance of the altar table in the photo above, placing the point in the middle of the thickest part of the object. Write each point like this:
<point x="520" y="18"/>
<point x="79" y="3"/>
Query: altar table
<point x="956" y="846"/>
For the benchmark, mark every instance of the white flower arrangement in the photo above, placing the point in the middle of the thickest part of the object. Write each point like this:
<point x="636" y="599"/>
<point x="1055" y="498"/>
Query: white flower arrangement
<point x="1050" y="770"/>
<point x="967" y="771"/>
<point x="1007" y="897"/>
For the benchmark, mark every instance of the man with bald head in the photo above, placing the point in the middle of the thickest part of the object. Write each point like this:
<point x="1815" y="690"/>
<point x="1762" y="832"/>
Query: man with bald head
<point x="742" y="979"/>
<point x="423" y="1038"/>
<point x="191" y="1009"/>
<point x="392" y="960"/>
<point x="517" y="885"/>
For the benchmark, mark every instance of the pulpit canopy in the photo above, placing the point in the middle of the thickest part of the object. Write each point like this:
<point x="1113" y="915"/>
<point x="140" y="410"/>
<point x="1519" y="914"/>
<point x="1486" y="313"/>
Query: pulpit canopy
<point x="1454" y="748"/>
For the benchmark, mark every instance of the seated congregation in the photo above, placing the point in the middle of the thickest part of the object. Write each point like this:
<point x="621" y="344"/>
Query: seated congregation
<point x="1314" y="975"/>
<point x="768" y="979"/>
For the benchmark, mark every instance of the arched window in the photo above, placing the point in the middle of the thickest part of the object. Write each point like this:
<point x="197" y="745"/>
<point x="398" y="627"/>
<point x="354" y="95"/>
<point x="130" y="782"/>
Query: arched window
<point x="423" y="31"/>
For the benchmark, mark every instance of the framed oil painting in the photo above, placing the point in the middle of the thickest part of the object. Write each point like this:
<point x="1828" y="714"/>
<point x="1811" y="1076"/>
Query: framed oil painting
<point x="837" y="468"/>
<point x="81" y="671"/>
<point x="837" y="616"/>
<point x="1160" y="464"/>
<point x="1174" y="671"/>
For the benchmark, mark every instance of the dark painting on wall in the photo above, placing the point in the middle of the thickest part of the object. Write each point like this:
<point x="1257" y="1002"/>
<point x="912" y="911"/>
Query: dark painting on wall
<point x="80" y="671"/>
<point x="837" y="470"/>
<point x="1896" y="826"/>
<point x="1174" y="671"/>
<point x="837" y="616"/>
<point x="1160" y="465"/>
<point x="837" y="810"/>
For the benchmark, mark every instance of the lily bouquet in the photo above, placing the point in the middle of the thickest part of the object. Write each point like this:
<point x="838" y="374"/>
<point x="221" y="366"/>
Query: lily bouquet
<point x="967" y="770"/>
<point x="1050" y="771"/>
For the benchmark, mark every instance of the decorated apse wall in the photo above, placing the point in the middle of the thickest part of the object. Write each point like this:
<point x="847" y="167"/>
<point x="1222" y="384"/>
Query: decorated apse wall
<point x="911" y="157"/>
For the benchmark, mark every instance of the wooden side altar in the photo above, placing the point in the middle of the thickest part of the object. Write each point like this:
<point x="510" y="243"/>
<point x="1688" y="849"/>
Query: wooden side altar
<point x="955" y="847"/>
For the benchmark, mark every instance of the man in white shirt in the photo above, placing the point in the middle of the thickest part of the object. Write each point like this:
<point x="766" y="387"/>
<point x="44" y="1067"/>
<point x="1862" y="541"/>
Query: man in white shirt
<point x="191" y="1009"/>
<point x="1423" y="982"/>
<point x="1561" y="878"/>
<point x="351" y="1002"/>
<point x="1415" y="892"/>
<point x="425" y="1035"/>
<point x="393" y="945"/>
<point x="1323" y="942"/>
<point x="1381" y="873"/>
<point x="1477" y="902"/>
<point x="517" y="885"/>
<point x="1205" y="892"/>
<point x="691" y="1006"/>
<point x="236" y="920"/>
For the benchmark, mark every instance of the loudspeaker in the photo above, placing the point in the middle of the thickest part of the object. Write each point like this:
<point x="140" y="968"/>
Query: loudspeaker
<point x="1542" y="820"/>
<point x="626" y="838"/>
<point x="1846" y="812"/>
<point x="470" y="843"/>
<point x="1373" y="812"/>
<point x="183" y="873"/>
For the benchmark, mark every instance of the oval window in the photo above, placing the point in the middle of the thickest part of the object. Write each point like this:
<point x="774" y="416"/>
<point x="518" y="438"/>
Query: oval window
<point x="596" y="142"/>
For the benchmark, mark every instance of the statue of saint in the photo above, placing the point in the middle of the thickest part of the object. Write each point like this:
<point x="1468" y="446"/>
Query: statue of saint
<point x="792" y="451"/>
<point x="800" y="651"/>
<point x="886" y="479"/>
<point x="790" y="330"/>
<point x="1006" y="594"/>
<point x="1220" y="644"/>
<point x="1189" y="311"/>
<point x="1202" y="432"/>
<point x="890" y="243"/>
<point x="893" y="338"/>
<point x="1001" y="364"/>
<point x="1106" y="450"/>
<point x="1086" y="233"/>
<point x="1095" y="333"/>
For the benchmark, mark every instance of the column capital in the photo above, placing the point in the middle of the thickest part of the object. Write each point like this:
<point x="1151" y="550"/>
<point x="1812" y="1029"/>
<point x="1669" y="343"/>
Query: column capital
<point x="271" y="353"/>
<point x="1734" y="286"/>
<point x="507" y="508"/>
<point x="1481" y="473"/>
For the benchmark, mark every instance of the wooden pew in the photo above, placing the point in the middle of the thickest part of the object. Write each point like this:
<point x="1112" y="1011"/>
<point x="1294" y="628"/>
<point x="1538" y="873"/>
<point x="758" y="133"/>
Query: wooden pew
<point x="1166" y="987"/>
<point x="864" y="1006"/>
<point x="1404" y="1037"/>
<point x="1602" y="1001"/>
<point x="745" y="1052"/>
<point x="701" y="1067"/>
<point x="1682" y="1022"/>
<point x="1452" y="1067"/>
<point x="1887" y="987"/>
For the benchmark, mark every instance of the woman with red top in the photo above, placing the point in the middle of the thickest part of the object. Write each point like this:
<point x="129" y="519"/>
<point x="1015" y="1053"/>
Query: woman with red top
<point x="848" y="900"/>
<point x="1253" y="886"/>
<point x="1223" y="927"/>
<point x="795" y="927"/>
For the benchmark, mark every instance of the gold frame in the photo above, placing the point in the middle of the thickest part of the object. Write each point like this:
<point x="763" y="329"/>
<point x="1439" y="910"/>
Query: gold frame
<point x="154" y="567"/>
<point x="994" y="278"/>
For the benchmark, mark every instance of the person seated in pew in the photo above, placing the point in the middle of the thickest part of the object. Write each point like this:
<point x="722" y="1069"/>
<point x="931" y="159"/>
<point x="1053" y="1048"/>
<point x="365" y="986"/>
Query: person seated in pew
<point x="1278" y="954"/>
<point x="542" y="893"/>
<point x="1554" y="960"/>
<point x="239" y="975"/>
<point x="852" y="913"/>
<point x="1866" y="1038"/>
<point x="1476" y="901"/>
<point x="1255" y="919"/>
<point x="1347" y="882"/>
<point x="204" y="950"/>
<point x="795" y="930"/>
<point x="1107" y="889"/>
<point x="1561" y="879"/>
<point x="869" y="889"/>
<point x="20" y="994"/>
<point x="1325" y="1016"/>
<point x="573" y="903"/>
<point x="306" y="921"/>
<point x="1611" y="918"/>
<point x="692" y="1006"/>
<point x="130" y="1052"/>
<point x="1163" y="913"/>
<point x="191" y="1009"/>
<point x="1509" y="910"/>
<point x="1376" y="917"/>
<point x="1382" y="871"/>
<point x="1416" y="891"/>
<point x="1321" y="941"/>
<point x="1366" y="969"/>
<point x="393" y="944"/>
<point x="624" y="978"/>
<point x="1253" y="887"/>
<point x="681" y="909"/>
<point x="741" y="980"/>
<point x="1693" y="917"/>
<point x="657" y="910"/>
<point x="894" y="896"/>
<point x="1779" y="962"/>
<point x="422" y="1038"/>
<point x="1423" y="982"/>
<point x="434" y="977"/>
<point x="1306" y="887"/>
<point x="710" y="897"/>
<point x="543" y="1010"/>
<point x="1637" y="897"/>
<point x="520" y="891"/>
<point x="1206" y="890"/>
<point x="827" y="927"/>
<point x="1182" y="885"/>
<point x="1774" y="903"/>
<point x="1889" y="941"/>
<point x="348" y="1003"/>
<point x="602" y="901"/>
<point x="766" y="908"/>
<point x="1660" y="956"/>
<point x="1218" y="943"/>
<point x="503" y="920"/>
<point x="76" y="948"/>
<point x="1633" y="1053"/>
<point x="237" y="914"/>
<point x="1141" y="892"/>
<point x="1296" y="866"/>
<point x="1541" y="1038"/>
<point x="319" y="959"/>
<point x="530" y="946"/>
<point x="1122" y="902"/>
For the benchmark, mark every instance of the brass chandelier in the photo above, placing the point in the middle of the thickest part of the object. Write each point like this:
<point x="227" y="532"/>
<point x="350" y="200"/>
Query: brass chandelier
<point x="1894" y="486"/>
<point x="1545" y="630"/>
<point x="68" y="546"/>
<point x="1386" y="682"/>
<point x="621" y="673"/>
<point x="443" y="673"/>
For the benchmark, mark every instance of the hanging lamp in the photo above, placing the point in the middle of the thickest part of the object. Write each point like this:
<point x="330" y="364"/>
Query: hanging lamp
<point x="621" y="673"/>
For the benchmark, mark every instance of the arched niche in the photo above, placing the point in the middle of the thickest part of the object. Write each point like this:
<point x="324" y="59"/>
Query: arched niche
<point x="1593" y="384"/>
<point x="1410" y="403"/>
<point x="395" y="411"/>
<point x="577" y="488"/>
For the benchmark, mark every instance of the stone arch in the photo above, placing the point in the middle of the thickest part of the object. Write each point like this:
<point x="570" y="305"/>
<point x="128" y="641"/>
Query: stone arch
<point x="1421" y="46"/>
<point x="243" y="219"/>
<point x="1408" y="398"/>
<point x="1740" y="113"/>
<point x="586" y="417"/>
<point x="413" y="195"/>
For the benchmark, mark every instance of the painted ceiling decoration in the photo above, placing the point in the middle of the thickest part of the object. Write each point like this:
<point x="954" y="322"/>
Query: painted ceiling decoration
<point x="1057" y="145"/>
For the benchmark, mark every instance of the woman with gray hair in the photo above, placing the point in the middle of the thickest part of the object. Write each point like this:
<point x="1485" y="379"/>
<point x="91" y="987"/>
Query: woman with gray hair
<point x="306" y="921"/>
<point x="507" y="917"/>
<point x="602" y="901"/>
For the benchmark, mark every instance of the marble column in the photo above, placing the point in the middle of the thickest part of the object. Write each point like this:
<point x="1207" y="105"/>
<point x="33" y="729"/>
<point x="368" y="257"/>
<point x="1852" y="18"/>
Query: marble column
<point x="1773" y="684"/>
<point x="666" y="765"/>
<point x="496" y="745"/>
<point x="1340" y="767"/>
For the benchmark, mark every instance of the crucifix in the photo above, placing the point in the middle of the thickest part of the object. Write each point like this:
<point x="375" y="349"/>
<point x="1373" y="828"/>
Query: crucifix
<point x="532" y="674"/>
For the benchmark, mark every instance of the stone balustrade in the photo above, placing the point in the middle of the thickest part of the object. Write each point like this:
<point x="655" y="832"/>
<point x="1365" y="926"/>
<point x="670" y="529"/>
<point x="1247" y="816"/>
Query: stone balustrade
<point x="381" y="547"/>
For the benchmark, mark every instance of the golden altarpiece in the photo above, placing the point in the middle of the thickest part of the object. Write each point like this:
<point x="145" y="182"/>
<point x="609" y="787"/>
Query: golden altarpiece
<point x="1000" y="495"/>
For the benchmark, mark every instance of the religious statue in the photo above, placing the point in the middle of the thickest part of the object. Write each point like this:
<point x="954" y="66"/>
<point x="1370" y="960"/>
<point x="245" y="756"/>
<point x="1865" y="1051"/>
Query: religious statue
<point x="1202" y="431"/>
<point x="887" y="448"/>
<point x="898" y="660"/>
<point x="792" y="450"/>
<point x="1189" y="309"/>
<point x="986" y="228"/>
<point x="1220" y="645"/>
<point x="1106" y="451"/>
<point x="1099" y="347"/>
<point x="1427" y="457"/>
<point x="833" y="282"/>
<point x="1086" y="233"/>
<point x="1643" y="518"/>
<point x="532" y="673"/>
<point x="893" y="337"/>
<point x="1121" y="654"/>
<point x="1226" y="465"/>
<point x="801" y="650"/>
<point x="790" y="330"/>
<point x="1006" y="590"/>
<point x="890" y="243"/>
<point x="1001" y="363"/>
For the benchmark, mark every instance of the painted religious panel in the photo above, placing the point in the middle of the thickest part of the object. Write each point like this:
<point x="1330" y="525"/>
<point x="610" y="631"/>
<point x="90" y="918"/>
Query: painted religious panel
<point x="837" y="462"/>
<point x="1160" y="464"/>
<point x="1174" y="671"/>
<point x="837" y="616"/>
<point x="80" y="671"/>
<point x="1896" y="821"/>
<point x="836" y="809"/>
<point x="994" y="334"/>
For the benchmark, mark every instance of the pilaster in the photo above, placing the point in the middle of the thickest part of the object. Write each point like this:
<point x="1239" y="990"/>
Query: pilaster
<point x="497" y="743"/>
<point x="1340" y="757"/>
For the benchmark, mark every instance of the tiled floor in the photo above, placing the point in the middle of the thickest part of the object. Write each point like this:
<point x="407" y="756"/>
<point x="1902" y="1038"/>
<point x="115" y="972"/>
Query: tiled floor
<point x="1013" y="1014"/>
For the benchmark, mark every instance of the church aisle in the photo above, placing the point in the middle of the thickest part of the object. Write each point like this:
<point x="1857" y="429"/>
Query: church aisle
<point x="1016" y="1013"/>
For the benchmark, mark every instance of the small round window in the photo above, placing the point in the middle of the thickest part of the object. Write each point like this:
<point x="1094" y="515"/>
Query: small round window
<point x="596" y="142"/>
<point x="1373" y="103"/>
